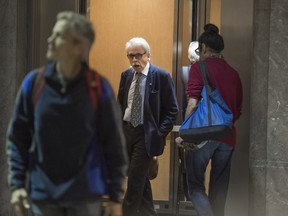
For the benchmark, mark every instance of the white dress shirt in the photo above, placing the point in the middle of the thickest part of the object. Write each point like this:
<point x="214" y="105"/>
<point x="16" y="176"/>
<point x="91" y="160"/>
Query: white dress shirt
<point x="143" y="77"/>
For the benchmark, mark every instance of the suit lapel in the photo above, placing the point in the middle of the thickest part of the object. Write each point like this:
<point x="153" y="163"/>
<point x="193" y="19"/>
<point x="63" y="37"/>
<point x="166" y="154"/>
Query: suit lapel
<point x="150" y="82"/>
<point x="129" y="78"/>
<point x="128" y="82"/>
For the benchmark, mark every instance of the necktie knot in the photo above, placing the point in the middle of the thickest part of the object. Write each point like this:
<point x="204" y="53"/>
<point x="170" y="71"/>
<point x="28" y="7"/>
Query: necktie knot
<point x="137" y="75"/>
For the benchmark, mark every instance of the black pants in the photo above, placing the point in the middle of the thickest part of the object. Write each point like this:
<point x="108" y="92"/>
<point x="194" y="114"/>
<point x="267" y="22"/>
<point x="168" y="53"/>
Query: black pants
<point x="138" y="199"/>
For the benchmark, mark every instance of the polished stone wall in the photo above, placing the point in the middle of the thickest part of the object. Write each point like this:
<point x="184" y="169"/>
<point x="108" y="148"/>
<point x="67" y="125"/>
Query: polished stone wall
<point x="269" y="110"/>
<point x="8" y="74"/>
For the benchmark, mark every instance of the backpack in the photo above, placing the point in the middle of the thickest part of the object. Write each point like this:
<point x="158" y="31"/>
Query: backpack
<point x="93" y="82"/>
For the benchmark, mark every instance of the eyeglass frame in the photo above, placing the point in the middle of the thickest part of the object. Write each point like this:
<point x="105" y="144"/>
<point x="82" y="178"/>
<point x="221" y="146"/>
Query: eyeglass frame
<point x="137" y="56"/>
<point x="197" y="51"/>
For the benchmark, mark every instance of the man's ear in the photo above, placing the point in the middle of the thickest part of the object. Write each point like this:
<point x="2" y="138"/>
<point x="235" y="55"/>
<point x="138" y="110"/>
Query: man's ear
<point x="149" y="57"/>
<point x="203" y="46"/>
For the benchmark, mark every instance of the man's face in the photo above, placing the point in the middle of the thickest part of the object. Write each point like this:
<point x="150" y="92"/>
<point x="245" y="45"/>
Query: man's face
<point x="61" y="44"/>
<point x="138" y="58"/>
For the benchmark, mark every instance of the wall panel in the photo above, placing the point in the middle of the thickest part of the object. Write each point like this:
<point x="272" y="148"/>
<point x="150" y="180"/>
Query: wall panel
<point x="237" y="31"/>
<point x="118" y="21"/>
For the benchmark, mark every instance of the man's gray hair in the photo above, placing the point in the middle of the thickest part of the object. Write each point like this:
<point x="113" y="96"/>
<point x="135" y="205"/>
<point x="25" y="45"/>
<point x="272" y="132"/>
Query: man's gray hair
<point x="138" y="41"/>
<point x="80" y="27"/>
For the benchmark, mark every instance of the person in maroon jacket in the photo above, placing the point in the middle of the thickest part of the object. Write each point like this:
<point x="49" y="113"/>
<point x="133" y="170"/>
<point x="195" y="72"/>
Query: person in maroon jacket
<point x="226" y="79"/>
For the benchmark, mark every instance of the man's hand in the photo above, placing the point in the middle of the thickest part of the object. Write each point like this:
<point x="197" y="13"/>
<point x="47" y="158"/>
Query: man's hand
<point x="113" y="209"/>
<point x="19" y="201"/>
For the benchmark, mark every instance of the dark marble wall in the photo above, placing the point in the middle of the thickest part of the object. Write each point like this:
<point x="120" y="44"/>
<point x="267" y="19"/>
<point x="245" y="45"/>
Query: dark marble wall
<point x="259" y="103"/>
<point x="269" y="108"/>
<point x="8" y="80"/>
<point x="277" y="113"/>
<point x="48" y="10"/>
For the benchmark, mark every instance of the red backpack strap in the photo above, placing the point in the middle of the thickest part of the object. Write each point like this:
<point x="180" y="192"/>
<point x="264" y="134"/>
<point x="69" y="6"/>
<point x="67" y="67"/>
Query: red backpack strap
<point x="38" y="85"/>
<point x="94" y="87"/>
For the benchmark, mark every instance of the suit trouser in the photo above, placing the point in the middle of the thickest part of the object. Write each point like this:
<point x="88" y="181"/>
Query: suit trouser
<point x="138" y="198"/>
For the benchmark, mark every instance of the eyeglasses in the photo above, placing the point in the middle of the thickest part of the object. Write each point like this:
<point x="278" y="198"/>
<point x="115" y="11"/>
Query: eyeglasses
<point x="137" y="55"/>
<point x="197" y="51"/>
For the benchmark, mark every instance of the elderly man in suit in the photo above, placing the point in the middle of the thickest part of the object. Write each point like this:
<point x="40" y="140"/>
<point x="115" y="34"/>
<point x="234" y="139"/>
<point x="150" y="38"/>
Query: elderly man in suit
<point x="149" y="107"/>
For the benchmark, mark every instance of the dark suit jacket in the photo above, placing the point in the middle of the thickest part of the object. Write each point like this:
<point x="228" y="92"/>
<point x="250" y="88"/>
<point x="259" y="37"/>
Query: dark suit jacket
<point x="160" y="106"/>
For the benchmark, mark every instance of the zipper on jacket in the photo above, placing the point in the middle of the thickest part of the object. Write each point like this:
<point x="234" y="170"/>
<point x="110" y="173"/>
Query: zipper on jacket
<point x="63" y="83"/>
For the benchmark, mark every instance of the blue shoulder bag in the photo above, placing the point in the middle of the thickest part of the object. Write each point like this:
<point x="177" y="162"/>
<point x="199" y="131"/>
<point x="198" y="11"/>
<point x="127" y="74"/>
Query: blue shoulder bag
<point x="211" y="120"/>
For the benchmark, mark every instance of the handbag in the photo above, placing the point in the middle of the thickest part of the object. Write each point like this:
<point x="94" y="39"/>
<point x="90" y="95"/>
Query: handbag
<point x="211" y="120"/>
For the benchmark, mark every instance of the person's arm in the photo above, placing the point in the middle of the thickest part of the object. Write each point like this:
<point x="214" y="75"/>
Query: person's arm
<point x="18" y="143"/>
<point x="194" y="89"/>
<point x="114" y="144"/>
<point x="191" y="106"/>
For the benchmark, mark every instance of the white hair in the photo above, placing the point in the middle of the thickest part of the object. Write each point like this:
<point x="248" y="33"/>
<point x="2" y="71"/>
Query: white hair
<point x="191" y="51"/>
<point x="138" y="41"/>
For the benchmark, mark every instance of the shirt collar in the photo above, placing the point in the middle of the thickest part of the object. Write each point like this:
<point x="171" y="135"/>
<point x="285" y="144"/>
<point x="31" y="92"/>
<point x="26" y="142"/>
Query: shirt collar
<point x="146" y="69"/>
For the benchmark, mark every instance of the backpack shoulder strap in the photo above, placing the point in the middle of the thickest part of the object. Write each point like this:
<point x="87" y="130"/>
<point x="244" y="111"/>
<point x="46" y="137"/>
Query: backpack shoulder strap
<point x="38" y="85"/>
<point x="94" y="86"/>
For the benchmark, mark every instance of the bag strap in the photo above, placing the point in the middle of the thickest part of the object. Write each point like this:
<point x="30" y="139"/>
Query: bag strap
<point x="94" y="87"/>
<point x="38" y="85"/>
<point x="93" y="81"/>
<point x="204" y="72"/>
<point x="204" y="68"/>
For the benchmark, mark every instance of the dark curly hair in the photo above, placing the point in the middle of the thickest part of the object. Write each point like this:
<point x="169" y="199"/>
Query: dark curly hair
<point x="211" y="38"/>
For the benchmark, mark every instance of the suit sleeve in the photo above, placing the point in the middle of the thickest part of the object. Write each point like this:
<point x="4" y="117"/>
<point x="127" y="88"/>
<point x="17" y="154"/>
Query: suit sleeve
<point x="168" y="106"/>
<point x="114" y="142"/>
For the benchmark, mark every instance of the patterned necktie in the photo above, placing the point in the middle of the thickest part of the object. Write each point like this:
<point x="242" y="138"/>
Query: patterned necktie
<point x="136" y="103"/>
